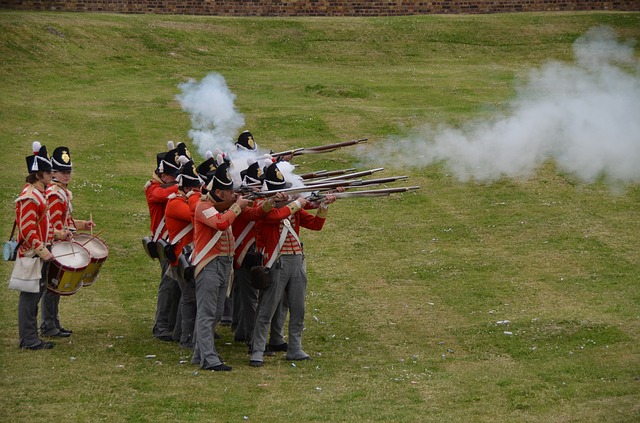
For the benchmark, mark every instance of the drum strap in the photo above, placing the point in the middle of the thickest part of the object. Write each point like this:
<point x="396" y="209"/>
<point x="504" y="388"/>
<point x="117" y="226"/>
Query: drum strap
<point x="159" y="229"/>
<point x="244" y="234"/>
<point x="182" y="234"/>
<point x="13" y="231"/>
<point x="206" y="249"/>
<point x="286" y="229"/>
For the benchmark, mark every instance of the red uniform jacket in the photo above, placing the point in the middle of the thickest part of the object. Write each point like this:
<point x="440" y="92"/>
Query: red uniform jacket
<point x="60" y="208"/>
<point x="179" y="214"/>
<point x="248" y="215"/>
<point x="157" y="193"/>
<point x="32" y="217"/>
<point x="268" y="229"/>
<point x="207" y="222"/>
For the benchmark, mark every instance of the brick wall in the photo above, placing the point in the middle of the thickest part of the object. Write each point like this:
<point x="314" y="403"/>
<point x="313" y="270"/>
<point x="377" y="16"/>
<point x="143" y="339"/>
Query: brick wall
<point x="318" y="7"/>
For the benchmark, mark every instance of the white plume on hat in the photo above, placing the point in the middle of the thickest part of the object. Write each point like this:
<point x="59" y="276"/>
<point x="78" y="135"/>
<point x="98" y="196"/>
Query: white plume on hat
<point x="36" y="146"/>
<point x="220" y="158"/>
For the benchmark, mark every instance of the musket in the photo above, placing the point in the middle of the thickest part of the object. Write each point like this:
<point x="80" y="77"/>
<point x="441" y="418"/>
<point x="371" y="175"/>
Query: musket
<point x="223" y="206"/>
<point x="348" y="176"/>
<point x="325" y="173"/>
<point x="294" y="152"/>
<point x="300" y="189"/>
<point x="331" y="147"/>
<point x="246" y="189"/>
<point x="319" y="149"/>
<point x="383" y="192"/>
<point x="378" y="181"/>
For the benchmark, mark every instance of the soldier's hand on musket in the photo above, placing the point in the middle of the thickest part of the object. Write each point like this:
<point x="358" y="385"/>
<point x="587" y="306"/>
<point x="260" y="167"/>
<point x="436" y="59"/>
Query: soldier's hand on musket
<point x="328" y="199"/>
<point x="242" y="202"/>
<point x="279" y="197"/>
<point x="302" y="201"/>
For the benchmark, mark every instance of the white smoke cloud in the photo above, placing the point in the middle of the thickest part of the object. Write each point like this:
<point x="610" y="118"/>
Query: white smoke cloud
<point x="215" y="122"/>
<point x="585" y="116"/>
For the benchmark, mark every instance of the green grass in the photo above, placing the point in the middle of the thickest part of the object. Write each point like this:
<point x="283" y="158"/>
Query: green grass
<point x="405" y="293"/>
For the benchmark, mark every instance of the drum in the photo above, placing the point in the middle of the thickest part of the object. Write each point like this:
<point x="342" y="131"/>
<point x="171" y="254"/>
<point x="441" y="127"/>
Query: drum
<point x="70" y="261"/>
<point x="98" y="251"/>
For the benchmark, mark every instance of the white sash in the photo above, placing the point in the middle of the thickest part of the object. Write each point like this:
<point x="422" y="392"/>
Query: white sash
<point x="206" y="249"/>
<point x="182" y="234"/>
<point x="244" y="234"/>
<point x="159" y="229"/>
<point x="286" y="228"/>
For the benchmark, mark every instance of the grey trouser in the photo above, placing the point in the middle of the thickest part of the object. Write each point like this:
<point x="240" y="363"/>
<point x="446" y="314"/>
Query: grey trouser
<point x="28" y="314"/>
<point x="167" y="306"/>
<point x="277" y="322"/>
<point x="236" y="304"/>
<point x="245" y="302"/>
<point x="288" y="275"/>
<point x="211" y="291"/>
<point x="249" y="298"/>
<point x="188" y="308"/>
<point x="50" y="319"/>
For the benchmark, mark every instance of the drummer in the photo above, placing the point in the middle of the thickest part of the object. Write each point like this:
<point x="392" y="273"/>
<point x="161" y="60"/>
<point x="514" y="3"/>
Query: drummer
<point x="59" y="199"/>
<point x="34" y="236"/>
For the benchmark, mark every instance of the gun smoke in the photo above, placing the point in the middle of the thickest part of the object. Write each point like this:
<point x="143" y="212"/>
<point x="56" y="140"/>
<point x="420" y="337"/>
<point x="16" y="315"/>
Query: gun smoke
<point x="215" y="122"/>
<point x="584" y="116"/>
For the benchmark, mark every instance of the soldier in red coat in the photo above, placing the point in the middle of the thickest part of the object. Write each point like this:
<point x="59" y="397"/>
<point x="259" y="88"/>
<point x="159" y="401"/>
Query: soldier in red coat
<point x="60" y="216"/>
<point x="213" y="261"/>
<point x="245" y="297"/>
<point x="277" y="237"/>
<point x="179" y="220"/>
<point x="157" y="192"/>
<point x="34" y="236"/>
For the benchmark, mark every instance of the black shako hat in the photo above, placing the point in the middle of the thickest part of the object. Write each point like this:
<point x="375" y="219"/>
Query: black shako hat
<point x="246" y="142"/>
<point x="221" y="178"/>
<point x="274" y="179"/>
<point x="188" y="176"/>
<point x="171" y="163"/>
<point x="61" y="160"/>
<point x="40" y="159"/>
<point x="207" y="168"/>
<point x="160" y="156"/>
<point x="253" y="174"/>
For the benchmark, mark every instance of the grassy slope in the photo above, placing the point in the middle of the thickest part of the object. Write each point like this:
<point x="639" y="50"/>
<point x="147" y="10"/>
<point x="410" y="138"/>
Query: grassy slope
<point x="406" y="291"/>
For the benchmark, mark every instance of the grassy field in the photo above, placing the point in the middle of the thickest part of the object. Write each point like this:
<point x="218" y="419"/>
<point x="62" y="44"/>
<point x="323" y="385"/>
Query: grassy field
<point x="511" y="301"/>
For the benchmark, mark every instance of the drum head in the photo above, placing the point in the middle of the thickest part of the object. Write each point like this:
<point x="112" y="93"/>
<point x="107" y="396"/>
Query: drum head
<point x="97" y="248"/>
<point x="70" y="254"/>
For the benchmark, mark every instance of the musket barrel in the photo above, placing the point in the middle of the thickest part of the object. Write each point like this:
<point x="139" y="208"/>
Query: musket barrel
<point x="367" y="193"/>
<point x="351" y="175"/>
<point x="375" y="192"/>
<point x="330" y="147"/>
<point x="326" y="173"/>
<point x="294" y="152"/>
<point x="377" y="181"/>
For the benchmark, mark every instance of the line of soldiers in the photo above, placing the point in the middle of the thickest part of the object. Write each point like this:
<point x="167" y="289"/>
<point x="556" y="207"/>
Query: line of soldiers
<point x="43" y="216"/>
<point x="209" y="238"/>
